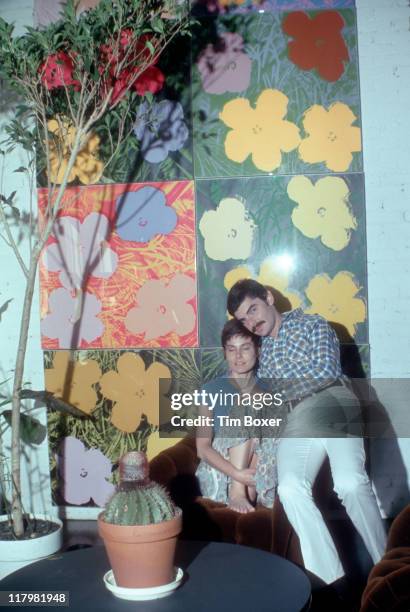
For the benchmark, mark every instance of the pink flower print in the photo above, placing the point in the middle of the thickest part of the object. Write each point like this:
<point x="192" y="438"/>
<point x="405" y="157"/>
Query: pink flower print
<point x="85" y="473"/>
<point x="224" y="66"/>
<point x="162" y="308"/>
<point x="81" y="250"/>
<point x="72" y="319"/>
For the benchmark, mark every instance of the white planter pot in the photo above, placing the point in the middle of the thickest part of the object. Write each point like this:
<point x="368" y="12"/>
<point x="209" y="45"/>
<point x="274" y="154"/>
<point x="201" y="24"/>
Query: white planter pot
<point x="15" y="554"/>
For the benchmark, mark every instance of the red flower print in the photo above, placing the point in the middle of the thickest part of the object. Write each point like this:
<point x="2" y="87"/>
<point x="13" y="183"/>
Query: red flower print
<point x="57" y="71"/>
<point x="135" y="52"/>
<point x="152" y="80"/>
<point x="317" y="43"/>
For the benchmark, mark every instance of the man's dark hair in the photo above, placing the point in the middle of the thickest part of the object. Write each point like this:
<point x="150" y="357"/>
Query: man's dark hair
<point x="234" y="328"/>
<point x="242" y="289"/>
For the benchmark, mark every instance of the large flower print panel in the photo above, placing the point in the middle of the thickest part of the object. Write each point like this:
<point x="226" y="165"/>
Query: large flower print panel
<point x="255" y="79"/>
<point x="118" y="252"/>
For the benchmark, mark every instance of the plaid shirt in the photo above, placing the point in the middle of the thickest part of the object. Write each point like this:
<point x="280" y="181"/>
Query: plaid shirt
<point x="303" y="358"/>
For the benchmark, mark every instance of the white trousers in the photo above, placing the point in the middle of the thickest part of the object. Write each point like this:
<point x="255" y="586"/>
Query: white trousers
<point x="299" y="460"/>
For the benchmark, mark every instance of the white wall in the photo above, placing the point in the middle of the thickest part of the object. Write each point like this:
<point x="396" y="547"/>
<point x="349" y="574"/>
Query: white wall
<point x="384" y="59"/>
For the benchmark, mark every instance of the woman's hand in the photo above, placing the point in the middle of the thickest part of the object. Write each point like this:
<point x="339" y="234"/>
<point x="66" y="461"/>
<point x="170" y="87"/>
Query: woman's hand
<point x="245" y="476"/>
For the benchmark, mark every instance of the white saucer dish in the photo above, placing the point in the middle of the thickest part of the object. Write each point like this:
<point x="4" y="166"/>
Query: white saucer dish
<point x="143" y="594"/>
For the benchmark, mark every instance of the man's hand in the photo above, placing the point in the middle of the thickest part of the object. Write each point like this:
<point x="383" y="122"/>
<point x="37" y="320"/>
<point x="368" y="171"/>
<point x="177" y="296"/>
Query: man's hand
<point x="245" y="476"/>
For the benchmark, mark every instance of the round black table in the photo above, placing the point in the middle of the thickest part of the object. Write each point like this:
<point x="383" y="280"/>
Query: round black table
<point x="217" y="577"/>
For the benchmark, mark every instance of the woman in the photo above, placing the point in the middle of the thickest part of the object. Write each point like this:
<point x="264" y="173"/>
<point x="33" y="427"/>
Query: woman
<point x="237" y="466"/>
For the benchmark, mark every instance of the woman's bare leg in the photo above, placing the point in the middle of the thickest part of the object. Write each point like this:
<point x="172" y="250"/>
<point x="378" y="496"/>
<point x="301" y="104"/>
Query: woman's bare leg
<point x="253" y="464"/>
<point x="240" y="456"/>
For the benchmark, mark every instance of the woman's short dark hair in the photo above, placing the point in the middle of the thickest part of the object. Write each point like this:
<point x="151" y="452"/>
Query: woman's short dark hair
<point x="234" y="328"/>
<point x="242" y="289"/>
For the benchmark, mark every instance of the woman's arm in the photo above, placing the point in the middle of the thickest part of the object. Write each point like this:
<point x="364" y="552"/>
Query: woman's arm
<point x="204" y="436"/>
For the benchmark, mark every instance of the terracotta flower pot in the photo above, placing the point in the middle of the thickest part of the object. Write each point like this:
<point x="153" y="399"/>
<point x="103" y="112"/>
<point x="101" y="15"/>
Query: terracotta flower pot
<point x="141" y="555"/>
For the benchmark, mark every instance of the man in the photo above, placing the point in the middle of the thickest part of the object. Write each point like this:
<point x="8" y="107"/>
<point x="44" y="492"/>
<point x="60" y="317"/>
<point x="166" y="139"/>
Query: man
<point x="301" y="354"/>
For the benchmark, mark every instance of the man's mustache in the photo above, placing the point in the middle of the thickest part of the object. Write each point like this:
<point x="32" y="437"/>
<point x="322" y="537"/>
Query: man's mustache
<point x="258" y="324"/>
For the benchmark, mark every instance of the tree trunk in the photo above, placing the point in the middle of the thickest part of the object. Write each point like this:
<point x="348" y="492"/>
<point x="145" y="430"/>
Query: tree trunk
<point x="16" y="503"/>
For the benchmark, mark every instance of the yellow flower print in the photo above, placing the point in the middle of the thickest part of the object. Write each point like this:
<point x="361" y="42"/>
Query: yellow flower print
<point x="235" y="275"/>
<point x="261" y="132"/>
<point x="72" y="381"/>
<point x="134" y="391"/>
<point x="331" y="137"/>
<point x="323" y="210"/>
<point x="270" y="275"/>
<point x="227" y="231"/>
<point x="87" y="168"/>
<point x="335" y="299"/>
<point x="156" y="444"/>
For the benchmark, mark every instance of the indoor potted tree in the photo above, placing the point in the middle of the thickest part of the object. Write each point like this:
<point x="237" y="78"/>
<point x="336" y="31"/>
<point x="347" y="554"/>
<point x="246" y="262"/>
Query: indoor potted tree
<point x="69" y="79"/>
<point x="140" y="526"/>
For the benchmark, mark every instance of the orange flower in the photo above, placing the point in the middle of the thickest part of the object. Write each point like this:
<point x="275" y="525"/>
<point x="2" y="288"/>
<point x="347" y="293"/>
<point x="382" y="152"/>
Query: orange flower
<point x="72" y="381"/>
<point x="261" y="131"/>
<point x="335" y="299"/>
<point x="331" y="136"/>
<point x="163" y="308"/>
<point x="135" y="391"/>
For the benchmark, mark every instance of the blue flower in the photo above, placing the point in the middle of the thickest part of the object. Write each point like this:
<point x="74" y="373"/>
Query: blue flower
<point x="161" y="129"/>
<point x="142" y="214"/>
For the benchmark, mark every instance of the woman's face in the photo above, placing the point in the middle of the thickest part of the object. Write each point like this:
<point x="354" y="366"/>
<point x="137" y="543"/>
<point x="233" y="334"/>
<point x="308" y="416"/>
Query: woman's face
<point x="241" y="354"/>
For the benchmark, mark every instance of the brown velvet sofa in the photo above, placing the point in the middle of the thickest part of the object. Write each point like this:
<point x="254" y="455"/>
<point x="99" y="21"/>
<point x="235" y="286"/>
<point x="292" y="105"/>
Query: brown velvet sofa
<point x="388" y="585"/>
<point x="204" y="519"/>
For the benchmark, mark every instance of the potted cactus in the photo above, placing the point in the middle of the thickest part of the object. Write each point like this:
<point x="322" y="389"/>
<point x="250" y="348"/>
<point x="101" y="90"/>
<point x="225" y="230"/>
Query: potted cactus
<point x="139" y="526"/>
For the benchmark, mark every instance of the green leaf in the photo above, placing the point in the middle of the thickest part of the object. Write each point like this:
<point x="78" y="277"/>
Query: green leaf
<point x="149" y="96"/>
<point x="53" y="403"/>
<point x="31" y="430"/>
<point x="157" y="25"/>
<point x="150" y="46"/>
<point x="4" y="307"/>
<point x="11" y="198"/>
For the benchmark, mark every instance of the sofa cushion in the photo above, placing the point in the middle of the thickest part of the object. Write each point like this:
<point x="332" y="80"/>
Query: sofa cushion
<point x="387" y="587"/>
<point x="399" y="534"/>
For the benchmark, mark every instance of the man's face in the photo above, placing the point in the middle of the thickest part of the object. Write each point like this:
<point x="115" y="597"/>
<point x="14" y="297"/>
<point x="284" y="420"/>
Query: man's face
<point x="241" y="354"/>
<point x="257" y="315"/>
